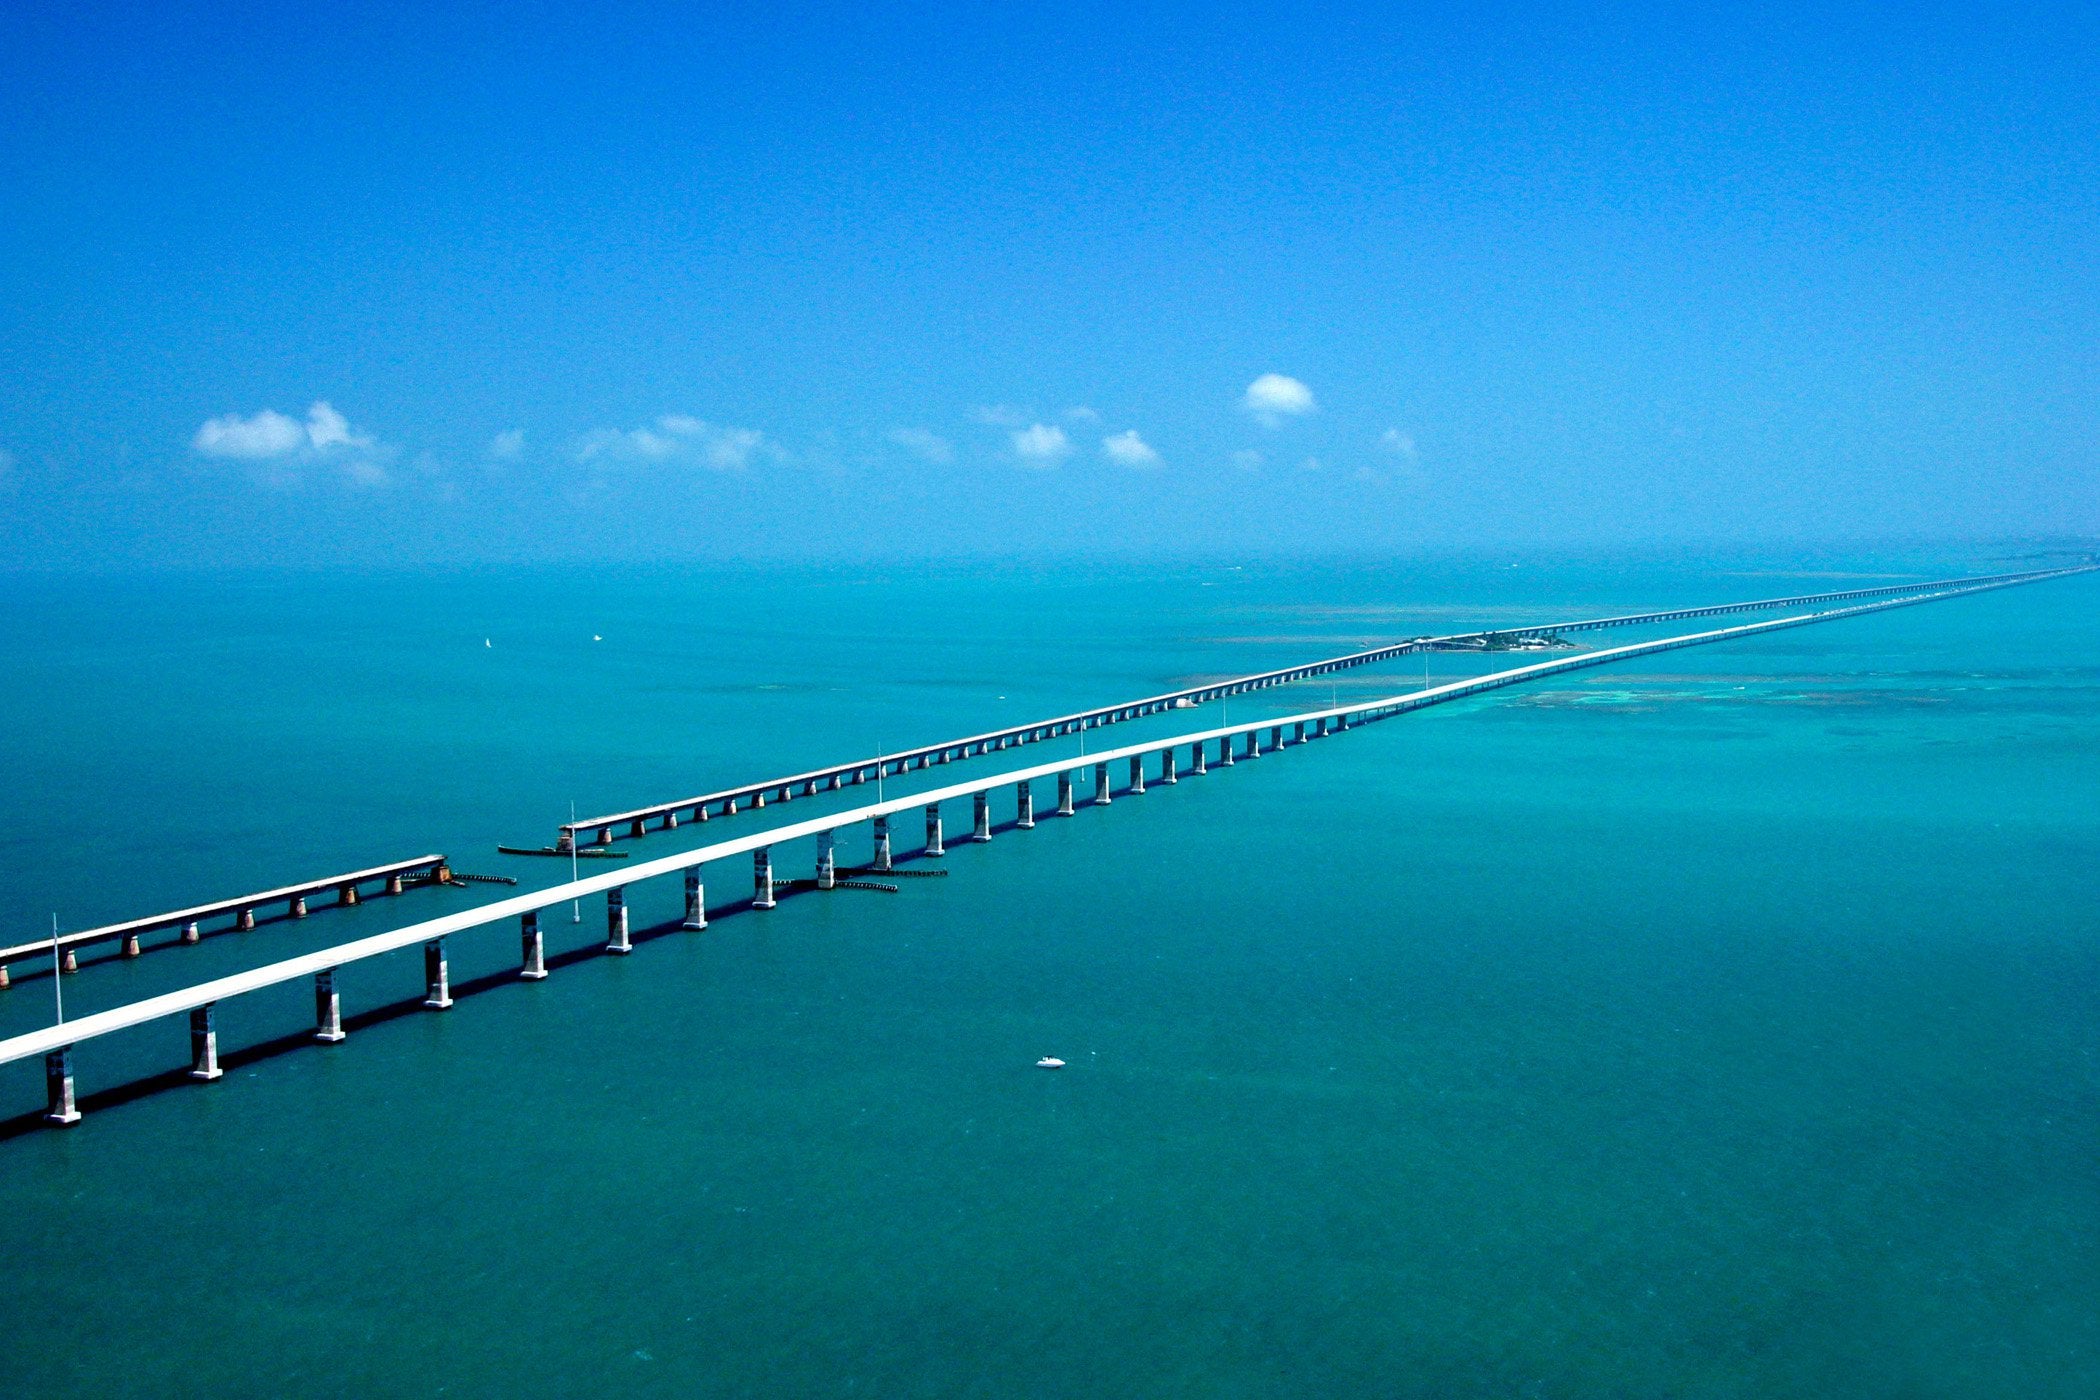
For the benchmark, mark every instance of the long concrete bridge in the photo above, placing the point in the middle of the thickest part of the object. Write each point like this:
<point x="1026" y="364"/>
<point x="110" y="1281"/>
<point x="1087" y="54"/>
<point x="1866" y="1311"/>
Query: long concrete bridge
<point x="1163" y="756"/>
<point x="727" y="802"/>
<point x="346" y="888"/>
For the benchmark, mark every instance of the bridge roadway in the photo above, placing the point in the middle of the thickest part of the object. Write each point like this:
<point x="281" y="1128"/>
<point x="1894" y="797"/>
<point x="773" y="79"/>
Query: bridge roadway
<point x="727" y="802"/>
<point x="55" y="1043"/>
<point x="242" y="909"/>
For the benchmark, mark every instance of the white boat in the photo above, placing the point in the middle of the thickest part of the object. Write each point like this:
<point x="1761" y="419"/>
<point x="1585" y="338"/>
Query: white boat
<point x="1047" y="1063"/>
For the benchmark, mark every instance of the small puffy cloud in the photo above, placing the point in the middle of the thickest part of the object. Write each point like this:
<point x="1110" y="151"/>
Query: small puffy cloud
<point x="267" y="434"/>
<point x="1127" y="449"/>
<point x="678" y="437"/>
<point x="508" y="446"/>
<point x="326" y="430"/>
<point x="1000" y="415"/>
<point x="1040" y="446"/>
<point x="1247" y="460"/>
<point x="927" y="446"/>
<point x="1276" y="397"/>
<point x="1397" y="443"/>
<point x="1081" y="414"/>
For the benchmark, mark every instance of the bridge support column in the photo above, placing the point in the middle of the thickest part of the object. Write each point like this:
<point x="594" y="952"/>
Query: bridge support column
<point x="190" y="932"/>
<point x="297" y="908"/>
<point x="61" y="1111"/>
<point x="348" y="894"/>
<point x="131" y="945"/>
<point x="328" y="1008"/>
<point x="1225" y="751"/>
<point x="605" y="836"/>
<point x="1197" y="761"/>
<point x="636" y="828"/>
<point x="1298" y="732"/>
<point x="534" y="946"/>
<point x="5" y="980"/>
<point x="204" y="1044"/>
<point x="1166" y="766"/>
<point x="981" y="816"/>
<point x="1024" y="806"/>
<point x="827" y="862"/>
<point x="1064" y="794"/>
<point x="882" y="844"/>
<point x="1254" y="743"/>
<point x="565" y="841"/>
<point x="762" y="878"/>
<point x="670" y="821"/>
<point x="244" y="920"/>
<point x="1137" y="773"/>
<point x="933" y="830"/>
<point x="700" y="813"/>
<point x="1101" y="797"/>
<point x="437" y="976"/>
<point x="616" y="937"/>
<point x="1276" y="736"/>
<point x="695" y="901"/>
<point x="69" y="960"/>
<point x="393" y="883"/>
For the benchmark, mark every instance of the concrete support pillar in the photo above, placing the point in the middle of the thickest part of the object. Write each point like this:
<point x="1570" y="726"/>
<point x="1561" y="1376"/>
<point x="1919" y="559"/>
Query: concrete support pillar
<point x="1101" y="797"/>
<point x="700" y="813"/>
<point x="348" y="893"/>
<point x="616" y="933"/>
<point x="393" y="883"/>
<point x="5" y="980"/>
<point x="297" y="908"/>
<point x="605" y="836"/>
<point x="1024" y="806"/>
<point x="1137" y="773"/>
<point x="328" y="1008"/>
<point x="1064" y="794"/>
<point x="933" y="830"/>
<point x="1254" y="743"/>
<point x="437" y="976"/>
<point x="1275" y="736"/>
<point x="827" y="861"/>
<point x="1198" y="762"/>
<point x="204" y="1044"/>
<point x="762" y="878"/>
<point x="981" y="816"/>
<point x="670" y="821"/>
<point x="1225" y="752"/>
<point x="244" y="920"/>
<point x="534" y="947"/>
<point x="695" y="901"/>
<point x="69" y="960"/>
<point x="882" y="844"/>
<point x="131" y="945"/>
<point x="62" y="1111"/>
<point x="1167" y="773"/>
<point x="563" y="843"/>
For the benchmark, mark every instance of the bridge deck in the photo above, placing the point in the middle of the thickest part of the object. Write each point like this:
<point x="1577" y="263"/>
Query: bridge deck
<point x="56" y="1038"/>
<point x="177" y="918"/>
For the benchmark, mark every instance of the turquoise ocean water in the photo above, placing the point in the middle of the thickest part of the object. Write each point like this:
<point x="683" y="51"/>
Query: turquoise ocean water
<point x="1723" y="1024"/>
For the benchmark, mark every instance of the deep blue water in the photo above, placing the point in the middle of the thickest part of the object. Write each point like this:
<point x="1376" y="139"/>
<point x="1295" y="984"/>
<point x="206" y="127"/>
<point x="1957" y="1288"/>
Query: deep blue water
<point x="1723" y="1024"/>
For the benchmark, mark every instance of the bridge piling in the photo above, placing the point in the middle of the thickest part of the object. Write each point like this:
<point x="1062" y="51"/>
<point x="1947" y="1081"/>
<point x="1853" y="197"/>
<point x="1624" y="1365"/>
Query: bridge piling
<point x="328" y="1008"/>
<point x="1101" y="796"/>
<point x="827" y="861"/>
<point x="1225" y="751"/>
<point x="617" y="940"/>
<point x="882" y="844"/>
<point x="245" y="920"/>
<point x="534" y="946"/>
<point x="1196" y="760"/>
<point x="981" y="816"/>
<point x="1137" y="774"/>
<point x="130" y="947"/>
<point x="437" y="976"/>
<point x="762" y="878"/>
<point x="1166" y="765"/>
<point x="1024" y="806"/>
<point x="204" y="1043"/>
<point x="695" y="901"/>
<point x="933" y="830"/>
<point x="1064" y="794"/>
<point x="61" y="1111"/>
<point x="190" y="932"/>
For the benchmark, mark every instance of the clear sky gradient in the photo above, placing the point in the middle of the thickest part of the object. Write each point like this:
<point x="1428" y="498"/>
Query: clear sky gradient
<point x="365" y="284"/>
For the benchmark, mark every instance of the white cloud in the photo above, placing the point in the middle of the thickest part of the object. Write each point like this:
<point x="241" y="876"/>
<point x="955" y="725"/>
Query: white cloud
<point x="1397" y="443"/>
<point x="1000" y="415"/>
<point x="923" y="444"/>
<point x="363" y="471"/>
<point x="1040" y="446"/>
<point x="508" y="446"/>
<point x="1247" y="460"/>
<point x="681" y="438"/>
<point x="267" y="434"/>
<point x="1081" y="414"/>
<point x="326" y="430"/>
<point x="1275" y="397"/>
<point x="1127" y="449"/>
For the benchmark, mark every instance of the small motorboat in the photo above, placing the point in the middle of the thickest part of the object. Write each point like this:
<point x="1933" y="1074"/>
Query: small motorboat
<point x="1048" y="1063"/>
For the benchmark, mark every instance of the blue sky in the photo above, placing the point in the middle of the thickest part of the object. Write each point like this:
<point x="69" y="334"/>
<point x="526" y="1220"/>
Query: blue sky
<point x="317" y="284"/>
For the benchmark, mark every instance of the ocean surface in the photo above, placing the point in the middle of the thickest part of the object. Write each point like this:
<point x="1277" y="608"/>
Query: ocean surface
<point x="1725" y="1023"/>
